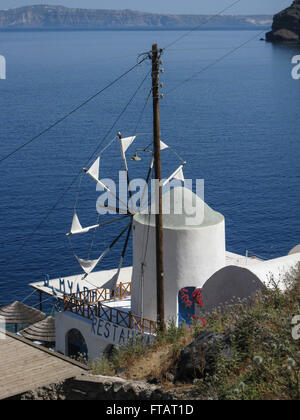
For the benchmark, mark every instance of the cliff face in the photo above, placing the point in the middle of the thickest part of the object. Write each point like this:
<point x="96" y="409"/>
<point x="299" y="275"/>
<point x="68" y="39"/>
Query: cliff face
<point x="286" y="25"/>
<point x="61" y="17"/>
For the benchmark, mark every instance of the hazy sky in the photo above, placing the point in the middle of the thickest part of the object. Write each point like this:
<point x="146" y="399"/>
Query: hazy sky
<point x="165" y="6"/>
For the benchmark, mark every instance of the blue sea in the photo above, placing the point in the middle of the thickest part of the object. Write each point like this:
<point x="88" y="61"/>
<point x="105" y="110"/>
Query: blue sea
<point x="236" y="124"/>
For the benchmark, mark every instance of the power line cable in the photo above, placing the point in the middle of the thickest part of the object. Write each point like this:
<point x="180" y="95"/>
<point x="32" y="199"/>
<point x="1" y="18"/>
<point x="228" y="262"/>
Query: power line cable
<point x="121" y="114"/>
<point x="216" y="61"/>
<point x="60" y="120"/>
<point x="179" y="85"/>
<point x="29" y="296"/>
<point x="207" y="49"/>
<point x="142" y="112"/>
<point x="202" y="24"/>
<point x="61" y="197"/>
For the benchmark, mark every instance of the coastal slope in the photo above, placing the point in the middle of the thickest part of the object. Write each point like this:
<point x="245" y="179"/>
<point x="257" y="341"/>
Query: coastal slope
<point x="286" y="25"/>
<point x="58" y="17"/>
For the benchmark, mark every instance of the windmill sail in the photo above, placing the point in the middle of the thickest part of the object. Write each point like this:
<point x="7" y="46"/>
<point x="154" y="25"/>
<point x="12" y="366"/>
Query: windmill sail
<point x="76" y="227"/>
<point x="125" y="144"/>
<point x="89" y="265"/>
<point x="178" y="174"/>
<point x="93" y="172"/>
<point x="163" y="145"/>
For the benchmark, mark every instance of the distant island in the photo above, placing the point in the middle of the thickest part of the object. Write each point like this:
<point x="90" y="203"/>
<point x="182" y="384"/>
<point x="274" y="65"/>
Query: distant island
<point x="58" y="17"/>
<point x="286" y="25"/>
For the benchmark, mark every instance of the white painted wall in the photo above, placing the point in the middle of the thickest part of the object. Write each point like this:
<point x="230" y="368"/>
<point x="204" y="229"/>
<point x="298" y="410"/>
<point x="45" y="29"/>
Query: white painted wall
<point x="192" y="255"/>
<point x="274" y="272"/>
<point x="98" y="333"/>
<point x="66" y="321"/>
<point x="235" y="281"/>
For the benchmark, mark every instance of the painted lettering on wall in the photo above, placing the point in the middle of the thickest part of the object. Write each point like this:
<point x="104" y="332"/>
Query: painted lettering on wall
<point x="66" y="287"/>
<point x="116" y="334"/>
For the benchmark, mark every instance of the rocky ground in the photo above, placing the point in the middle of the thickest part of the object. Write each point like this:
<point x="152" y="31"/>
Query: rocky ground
<point x="100" y="388"/>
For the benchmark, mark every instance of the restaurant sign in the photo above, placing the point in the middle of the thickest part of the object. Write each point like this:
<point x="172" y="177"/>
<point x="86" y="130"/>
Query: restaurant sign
<point x="116" y="334"/>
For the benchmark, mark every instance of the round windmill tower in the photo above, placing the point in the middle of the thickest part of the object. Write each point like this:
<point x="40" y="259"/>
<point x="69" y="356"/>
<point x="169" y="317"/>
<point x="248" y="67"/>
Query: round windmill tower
<point x="194" y="249"/>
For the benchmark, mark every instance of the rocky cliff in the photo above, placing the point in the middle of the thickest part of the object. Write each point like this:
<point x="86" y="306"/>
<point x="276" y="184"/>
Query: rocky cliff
<point x="286" y="25"/>
<point x="58" y="17"/>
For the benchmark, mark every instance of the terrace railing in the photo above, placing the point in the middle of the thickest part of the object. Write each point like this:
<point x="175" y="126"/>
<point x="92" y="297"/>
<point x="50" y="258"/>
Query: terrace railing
<point x="90" y="305"/>
<point x="122" y="291"/>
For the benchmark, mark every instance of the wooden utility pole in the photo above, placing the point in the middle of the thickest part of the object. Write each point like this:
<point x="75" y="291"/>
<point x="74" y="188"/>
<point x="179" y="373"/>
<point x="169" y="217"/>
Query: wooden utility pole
<point x="158" y="195"/>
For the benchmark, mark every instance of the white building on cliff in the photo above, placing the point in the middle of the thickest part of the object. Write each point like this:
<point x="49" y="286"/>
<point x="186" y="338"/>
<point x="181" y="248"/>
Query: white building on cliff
<point x="93" y="318"/>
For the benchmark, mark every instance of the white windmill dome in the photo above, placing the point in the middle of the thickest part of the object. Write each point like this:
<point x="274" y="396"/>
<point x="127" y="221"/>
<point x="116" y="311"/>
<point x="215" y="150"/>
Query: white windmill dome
<point x="182" y="209"/>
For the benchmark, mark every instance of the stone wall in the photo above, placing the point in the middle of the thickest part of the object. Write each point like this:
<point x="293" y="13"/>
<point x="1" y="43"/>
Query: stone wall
<point x="89" y="388"/>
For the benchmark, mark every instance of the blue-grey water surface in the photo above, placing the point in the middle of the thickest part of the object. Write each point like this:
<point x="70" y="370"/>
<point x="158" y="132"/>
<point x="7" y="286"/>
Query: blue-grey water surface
<point x="237" y="124"/>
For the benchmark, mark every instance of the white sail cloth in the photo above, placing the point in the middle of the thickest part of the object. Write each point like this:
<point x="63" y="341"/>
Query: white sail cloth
<point x="76" y="227"/>
<point x="163" y="146"/>
<point x="89" y="265"/>
<point x="178" y="174"/>
<point x="94" y="171"/>
<point x="125" y="144"/>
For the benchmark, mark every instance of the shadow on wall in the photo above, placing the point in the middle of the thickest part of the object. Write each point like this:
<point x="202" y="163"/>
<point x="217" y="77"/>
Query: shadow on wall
<point x="75" y="344"/>
<point x="230" y="283"/>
